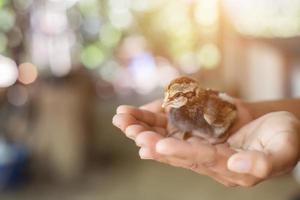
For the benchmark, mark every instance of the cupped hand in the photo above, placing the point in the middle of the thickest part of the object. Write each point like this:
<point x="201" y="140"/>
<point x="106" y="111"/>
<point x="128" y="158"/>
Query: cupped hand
<point x="256" y="150"/>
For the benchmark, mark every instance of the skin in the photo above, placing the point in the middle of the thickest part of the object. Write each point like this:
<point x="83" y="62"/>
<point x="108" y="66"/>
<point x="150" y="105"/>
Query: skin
<point x="260" y="108"/>
<point x="264" y="142"/>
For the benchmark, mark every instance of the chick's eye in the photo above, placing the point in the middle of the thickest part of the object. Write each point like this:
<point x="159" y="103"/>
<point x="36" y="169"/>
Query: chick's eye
<point x="177" y="95"/>
<point x="190" y="94"/>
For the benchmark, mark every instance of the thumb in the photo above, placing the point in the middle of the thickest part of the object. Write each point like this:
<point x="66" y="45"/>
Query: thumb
<point x="250" y="162"/>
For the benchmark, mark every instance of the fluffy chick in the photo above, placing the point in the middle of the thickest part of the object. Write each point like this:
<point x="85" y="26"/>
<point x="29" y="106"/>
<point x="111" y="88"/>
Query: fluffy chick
<point x="196" y="111"/>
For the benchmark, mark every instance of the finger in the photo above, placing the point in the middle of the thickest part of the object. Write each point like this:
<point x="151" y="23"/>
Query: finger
<point x="173" y="147"/>
<point x="283" y="151"/>
<point x="217" y="169"/>
<point x="239" y="138"/>
<point x="133" y="130"/>
<point x="219" y="166"/>
<point x="225" y="182"/>
<point x="216" y="166"/>
<point x="148" y="139"/>
<point x="250" y="162"/>
<point x="150" y="154"/>
<point x="202" y="158"/>
<point x="183" y="155"/>
<point x="194" y="152"/>
<point x="146" y="153"/>
<point x="174" y="161"/>
<point x="161" y="131"/>
<point x="122" y="121"/>
<point x="154" y="106"/>
<point x="152" y="119"/>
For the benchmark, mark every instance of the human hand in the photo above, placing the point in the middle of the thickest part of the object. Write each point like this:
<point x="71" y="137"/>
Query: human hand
<point x="265" y="147"/>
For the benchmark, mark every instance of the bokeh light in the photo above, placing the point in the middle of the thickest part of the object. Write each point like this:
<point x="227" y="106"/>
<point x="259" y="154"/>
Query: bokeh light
<point x="209" y="56"/>
<point x="109" y="70"/>
<point x="265" y="18"/>
<point x="143" y="69"/>
<point x="109" y="35"/>
<point x="119" y="4"/>
<point x="1" y="3"/>
<point x="119" y="13"/>
<point x="27" y="73"/>
<point x="50" y="21"/>
<point x="89" y="7"/>
<point x="121" y="18"/>
<point x="7" y="19"/>
<point x="92" y="56"/>
<point x="188" y="63"/>
<point x="78" y="59"/>
<point x="166" y="71"/>
<point x="147" y="5"/>
<point x="8" y="72"/>
<point x="206" y="12"/>
<point x="141" y="5"/>
<point x="59" y="56"/>
<point x="180" y="19"/>
<point x="91" y="26"/>
<point x="65" y="3"/>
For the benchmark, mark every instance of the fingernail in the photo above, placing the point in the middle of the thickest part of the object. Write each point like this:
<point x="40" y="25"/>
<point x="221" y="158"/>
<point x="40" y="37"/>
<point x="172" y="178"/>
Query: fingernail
<point x="139" y="142"/>
<point x="120" y="109"/>
<point x="115" y="121"/>
<point x="145" y="153"/>
<point x="239" y="165"/>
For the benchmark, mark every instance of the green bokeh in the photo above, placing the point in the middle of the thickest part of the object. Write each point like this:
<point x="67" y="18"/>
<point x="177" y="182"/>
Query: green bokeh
<point x="109" y="35"/>
<point x="7" y="19"/>
<point x="89" y="7"/>
<point x="3" y="3"/>
<point x="92" y="56"/>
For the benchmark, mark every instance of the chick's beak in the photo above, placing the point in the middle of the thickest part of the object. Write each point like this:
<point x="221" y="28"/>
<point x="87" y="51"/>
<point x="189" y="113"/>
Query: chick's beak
<point x="175" y="103"/>
<point x="165" y="104"/>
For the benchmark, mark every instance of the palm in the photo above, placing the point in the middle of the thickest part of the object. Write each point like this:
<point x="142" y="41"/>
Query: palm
<point x="270" y="140"/>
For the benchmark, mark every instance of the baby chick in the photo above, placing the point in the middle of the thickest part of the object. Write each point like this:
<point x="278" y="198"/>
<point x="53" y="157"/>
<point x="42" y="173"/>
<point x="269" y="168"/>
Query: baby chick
<point x="196" y="111"/>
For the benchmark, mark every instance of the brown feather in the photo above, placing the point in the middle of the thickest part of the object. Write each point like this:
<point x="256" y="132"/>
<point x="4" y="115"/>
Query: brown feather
<point x="204" y="112"/>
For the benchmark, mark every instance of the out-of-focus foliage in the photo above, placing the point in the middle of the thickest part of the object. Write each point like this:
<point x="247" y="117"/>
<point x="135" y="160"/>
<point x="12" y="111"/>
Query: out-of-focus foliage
<point x="132" y="39"/>
<point x="61" y="36"/>
<point x="96" y="29"/>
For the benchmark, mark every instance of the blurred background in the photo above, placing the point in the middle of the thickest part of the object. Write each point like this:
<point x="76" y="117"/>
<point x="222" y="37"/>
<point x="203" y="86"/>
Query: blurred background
<point x="66" y="64"/>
